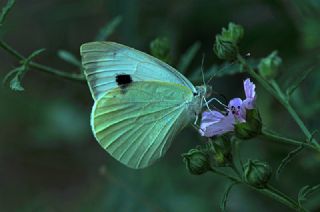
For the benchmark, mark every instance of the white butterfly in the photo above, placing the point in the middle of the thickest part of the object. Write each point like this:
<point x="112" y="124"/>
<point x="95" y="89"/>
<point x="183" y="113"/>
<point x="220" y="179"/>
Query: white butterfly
<point x="141" y="103"/>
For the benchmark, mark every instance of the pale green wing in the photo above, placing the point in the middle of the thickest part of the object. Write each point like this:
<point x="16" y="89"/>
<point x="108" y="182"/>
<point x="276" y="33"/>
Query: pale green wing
<point x="103" y="61"/>
<point x="137" y="124"/>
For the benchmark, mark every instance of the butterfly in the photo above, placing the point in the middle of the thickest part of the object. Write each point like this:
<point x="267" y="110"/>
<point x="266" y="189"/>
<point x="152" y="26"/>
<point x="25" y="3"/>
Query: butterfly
<point x="140" y="102"/>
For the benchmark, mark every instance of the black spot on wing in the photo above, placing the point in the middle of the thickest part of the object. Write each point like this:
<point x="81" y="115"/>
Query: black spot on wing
<point x="123" y="81"/>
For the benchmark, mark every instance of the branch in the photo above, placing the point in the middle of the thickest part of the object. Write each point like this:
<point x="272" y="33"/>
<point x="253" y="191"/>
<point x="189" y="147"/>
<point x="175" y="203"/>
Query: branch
<point x="63" y="74"/>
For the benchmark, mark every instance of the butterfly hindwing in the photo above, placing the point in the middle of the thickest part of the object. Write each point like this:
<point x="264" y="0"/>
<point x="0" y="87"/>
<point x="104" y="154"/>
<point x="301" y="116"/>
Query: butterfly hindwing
<point x="137" y="123"/>
<point x="104" y="61"/>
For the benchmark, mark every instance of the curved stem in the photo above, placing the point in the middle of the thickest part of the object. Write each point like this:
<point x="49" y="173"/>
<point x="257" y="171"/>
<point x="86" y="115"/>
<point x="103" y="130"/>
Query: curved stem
<point x="294" y="114"/>
<point x="280" y="197"/>
<point x="275" y="91"/>
<point x="268" y="191"/>
<point x="40" y="67"/>
<point x="235" y="169"/>
<point x="269" y="134"/>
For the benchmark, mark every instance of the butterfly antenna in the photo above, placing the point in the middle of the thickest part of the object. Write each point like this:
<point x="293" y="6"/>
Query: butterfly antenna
<point x="223" y="68"/>
<point x="202" y="72"/>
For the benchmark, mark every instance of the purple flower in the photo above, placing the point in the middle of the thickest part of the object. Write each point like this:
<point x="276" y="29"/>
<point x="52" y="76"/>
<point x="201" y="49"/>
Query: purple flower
<point x="215" y="123"/>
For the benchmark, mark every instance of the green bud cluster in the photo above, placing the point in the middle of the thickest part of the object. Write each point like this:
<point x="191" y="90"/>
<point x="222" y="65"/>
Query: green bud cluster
<point x="222" y="151"/>
<point x="268" y="66"/>
<point x="226" y="43"/>
<point x="257" y="173"/>
<point x="250" y="128"/>
<point x="197" y="161"/>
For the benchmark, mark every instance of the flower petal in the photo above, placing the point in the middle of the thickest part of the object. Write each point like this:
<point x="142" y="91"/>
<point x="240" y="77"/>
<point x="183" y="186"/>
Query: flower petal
<point x="219" y="125"/>
<point x="209" y="117"/>
<point x="249" y="89"/>
<point x="235" y="102"/>
<point x="249" y="103"/>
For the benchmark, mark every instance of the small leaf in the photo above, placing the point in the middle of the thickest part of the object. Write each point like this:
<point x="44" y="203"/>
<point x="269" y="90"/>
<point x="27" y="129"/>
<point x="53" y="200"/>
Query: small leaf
<point x="297" y="81"/>
<point x="8" y="75"/>
<point x="224" y="200"/>
<point x="305" y="192"/>
<point x="108" y="29"/>
<point x="15" y="83"/>
<point x="5" y="10"/>
<point x="33" y="55"/>
<point x="188" y="56"/>
<point x="288" y="159"/>
<point x="69" y="57"/>
<point x="19" y="72"/>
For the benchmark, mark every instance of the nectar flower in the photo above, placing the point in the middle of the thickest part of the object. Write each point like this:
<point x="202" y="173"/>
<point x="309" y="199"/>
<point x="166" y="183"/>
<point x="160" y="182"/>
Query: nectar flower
<point x="215" y="123"/>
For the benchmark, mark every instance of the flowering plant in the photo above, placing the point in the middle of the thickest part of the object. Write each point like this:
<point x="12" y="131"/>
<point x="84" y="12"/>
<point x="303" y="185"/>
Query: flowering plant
<point x="224" y="130"/>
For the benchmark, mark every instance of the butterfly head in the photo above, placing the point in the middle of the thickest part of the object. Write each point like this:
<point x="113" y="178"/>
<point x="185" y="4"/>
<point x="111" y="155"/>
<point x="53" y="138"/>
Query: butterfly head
<point x="203" y="91"/>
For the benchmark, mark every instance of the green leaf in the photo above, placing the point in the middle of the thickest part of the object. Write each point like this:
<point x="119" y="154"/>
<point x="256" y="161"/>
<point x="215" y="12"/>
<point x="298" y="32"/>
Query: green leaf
<point x="69" y="57"/>
<point x="188" y="56"/>
<point x="19" y="72"/>
<point x="305" y="192"/>
<point x="288" y="159"/>
<point x="224" y="200"/>
<point x="108" y="29"/>
<point x="33" y="55"/>
<point x="297" y="81"/>
<point x="8" y="75"/>
<point x="15" y="82"/>
<point x="5" y="10"/>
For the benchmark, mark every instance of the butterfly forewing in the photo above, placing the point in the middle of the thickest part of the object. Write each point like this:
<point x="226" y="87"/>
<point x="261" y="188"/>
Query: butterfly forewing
<point x="136" y="124"/>
<point x="103" y="61"/>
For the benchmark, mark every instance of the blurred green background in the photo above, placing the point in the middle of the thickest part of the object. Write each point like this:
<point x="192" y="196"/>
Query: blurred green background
<point x="49" y="160"/>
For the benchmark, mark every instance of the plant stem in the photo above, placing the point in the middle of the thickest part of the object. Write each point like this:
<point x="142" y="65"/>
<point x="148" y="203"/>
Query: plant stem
<point x="269" y="134"/>
<point x="40" y="67"/>
<point x="268" y="191"/>
<point x="235" y="169"/>
<point x="294" y="114"/>
<point x="275" y="91"/>
<point x="280" y="197"/>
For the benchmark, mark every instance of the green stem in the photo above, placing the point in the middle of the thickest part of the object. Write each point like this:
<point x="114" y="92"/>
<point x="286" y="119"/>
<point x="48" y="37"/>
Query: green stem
<point x="40" y="67"/>
<point x="269" y="134"/>
<point x="280" y="197"/>
<point x="232" y="178"/>
<point x="275" y="91"/>
<point x="294" y="114"/>
<point x="268" y="191"/>
<point x="235" y="169"/>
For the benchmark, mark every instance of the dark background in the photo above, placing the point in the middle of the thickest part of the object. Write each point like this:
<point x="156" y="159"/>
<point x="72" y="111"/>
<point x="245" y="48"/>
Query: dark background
<point x="49" y="160"/>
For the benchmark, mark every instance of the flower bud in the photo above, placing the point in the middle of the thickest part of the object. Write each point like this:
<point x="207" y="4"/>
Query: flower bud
<point x="221" y="151"/>
<point x="224" y="49"/>
<point x="234" y="33"/>
<point x="250" y="128"/>
<point x="160" y="48"/>
<point x="257" y="173"/>
<point x="268" y="66"/>
<point x="225" y="46"/>
<point x="197" y="162"/>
